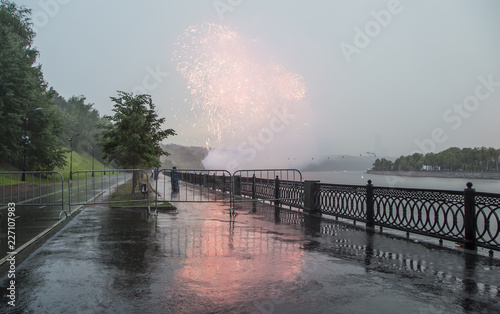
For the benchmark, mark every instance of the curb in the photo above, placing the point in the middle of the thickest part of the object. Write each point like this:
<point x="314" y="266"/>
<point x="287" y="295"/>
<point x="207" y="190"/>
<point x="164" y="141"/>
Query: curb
<point x="29" y="247"/>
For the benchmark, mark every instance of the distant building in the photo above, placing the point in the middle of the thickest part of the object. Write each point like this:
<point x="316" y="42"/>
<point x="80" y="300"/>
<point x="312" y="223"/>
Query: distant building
<point x="430" y="168"/>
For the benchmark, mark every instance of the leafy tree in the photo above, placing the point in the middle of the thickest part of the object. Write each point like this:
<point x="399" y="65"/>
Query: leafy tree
<point x="383" y="165"/>
<point x="132" y="139"/>
<point x="451" y="159"/>
<point x="22" y="90"/>
<point x="416" y="161"/>
<point x="491" y="158"/>
<point x="79" y="118"/>
<point x="430" y="159"/>
<point x="401" y="164"/>
<point x="468" y="159"/>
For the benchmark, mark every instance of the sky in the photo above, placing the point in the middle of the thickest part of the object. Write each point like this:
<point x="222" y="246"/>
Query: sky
<point x="305" y="78"/>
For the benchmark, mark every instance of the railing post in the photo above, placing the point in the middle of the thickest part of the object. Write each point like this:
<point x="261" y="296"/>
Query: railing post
<point x="277" y="191"/>
<point x="69" y="196"/>
<point x="253" y="186"/>
<point x="310" y="190"/>
<point x="470" y="217"/>
<point x="370" y="220"/>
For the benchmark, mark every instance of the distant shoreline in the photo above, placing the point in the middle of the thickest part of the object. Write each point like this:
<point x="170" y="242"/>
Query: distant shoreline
<point x="440" y="174"/>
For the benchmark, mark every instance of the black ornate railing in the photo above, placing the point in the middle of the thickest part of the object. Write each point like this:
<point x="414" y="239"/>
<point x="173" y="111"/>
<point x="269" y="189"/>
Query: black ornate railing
<point x="292" y="193"/>
<point x="488" y="219"/>
<point x="436" y="213"/>
<point x="344" y="201"/>
<point x="466" y="217"/>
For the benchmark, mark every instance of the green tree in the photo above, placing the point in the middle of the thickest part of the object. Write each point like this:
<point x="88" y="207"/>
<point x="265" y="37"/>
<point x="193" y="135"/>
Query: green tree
<point x="492" y="158"/>
<point x="45" y="151"/>
<point x="416" y="161"/>
<point x="451" y="159"/>
<point x="383" y="165"/>
<point x="79" y="118"/>
<point x="401" y="164"/>
<point x="22" y="90"/>
<point x="430" y="159"/>
<point x="132" y="139"/>
<point x="468" y="159"/>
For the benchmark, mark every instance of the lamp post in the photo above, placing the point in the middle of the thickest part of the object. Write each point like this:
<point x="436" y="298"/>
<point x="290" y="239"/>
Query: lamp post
<point x="92" y="148"/>
<point x="71" y="158"/>
<point x="26" y="140"/>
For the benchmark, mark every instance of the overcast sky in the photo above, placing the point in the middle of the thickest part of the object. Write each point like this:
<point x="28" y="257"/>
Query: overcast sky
<point x="390" y="77"/>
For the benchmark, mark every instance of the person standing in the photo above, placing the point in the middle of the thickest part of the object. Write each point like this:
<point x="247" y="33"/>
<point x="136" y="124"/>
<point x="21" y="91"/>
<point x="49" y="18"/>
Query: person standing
<point x="175" y="180"/>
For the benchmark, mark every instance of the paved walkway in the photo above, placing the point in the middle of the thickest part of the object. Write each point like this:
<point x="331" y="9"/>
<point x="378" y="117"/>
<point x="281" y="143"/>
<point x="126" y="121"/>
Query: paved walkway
<point x="197" y="260"/>
<point x="33" y="216"/>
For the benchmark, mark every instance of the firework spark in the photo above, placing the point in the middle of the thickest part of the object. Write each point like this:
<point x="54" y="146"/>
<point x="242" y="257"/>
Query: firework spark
<point x="233" y="89"/>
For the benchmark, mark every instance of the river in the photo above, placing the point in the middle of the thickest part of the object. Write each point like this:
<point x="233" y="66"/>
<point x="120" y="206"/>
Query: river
<point x="360" y="178"/>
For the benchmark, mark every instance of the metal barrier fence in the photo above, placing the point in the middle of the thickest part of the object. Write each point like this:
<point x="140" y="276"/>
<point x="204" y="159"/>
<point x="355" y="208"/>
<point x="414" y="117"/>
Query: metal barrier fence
<point x="466" y="217"/>
<point x="280" y="186"/>
<point x="32" y="188"/>
<point x="179" y="185"/>
<point x="96" y="187"/>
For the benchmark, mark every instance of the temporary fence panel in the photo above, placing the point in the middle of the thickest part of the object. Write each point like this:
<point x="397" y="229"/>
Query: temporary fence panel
<point x="280" y="186"/>
<point x="127" y="186"/>
<point x="32" y="188"/>
<point x="180" y="185"/>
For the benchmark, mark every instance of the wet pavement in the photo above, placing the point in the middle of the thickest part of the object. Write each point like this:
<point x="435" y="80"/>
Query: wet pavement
<point x="266" y="260"/>
<point x="33" y="216"/>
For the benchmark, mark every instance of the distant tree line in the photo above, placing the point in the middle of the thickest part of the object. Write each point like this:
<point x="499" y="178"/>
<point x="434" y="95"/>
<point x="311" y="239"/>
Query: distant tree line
<point x="452" y="159"/>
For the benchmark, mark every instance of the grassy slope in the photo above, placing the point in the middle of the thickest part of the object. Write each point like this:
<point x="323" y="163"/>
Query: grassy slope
<point x="80" y="162"/>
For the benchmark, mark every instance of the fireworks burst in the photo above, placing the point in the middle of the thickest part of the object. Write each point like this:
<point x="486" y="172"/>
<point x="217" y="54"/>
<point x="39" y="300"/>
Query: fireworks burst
<point x="233" y="89"/>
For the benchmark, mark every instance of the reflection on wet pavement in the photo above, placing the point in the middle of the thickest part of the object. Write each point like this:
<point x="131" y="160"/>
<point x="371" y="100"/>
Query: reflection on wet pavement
<point x="266" y="260"/>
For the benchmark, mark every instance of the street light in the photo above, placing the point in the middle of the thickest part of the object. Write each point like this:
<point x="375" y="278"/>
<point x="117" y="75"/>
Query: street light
<point x="26" y="140"/>
<point x="71" y="158"/>
<point x="92" y="148"/>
